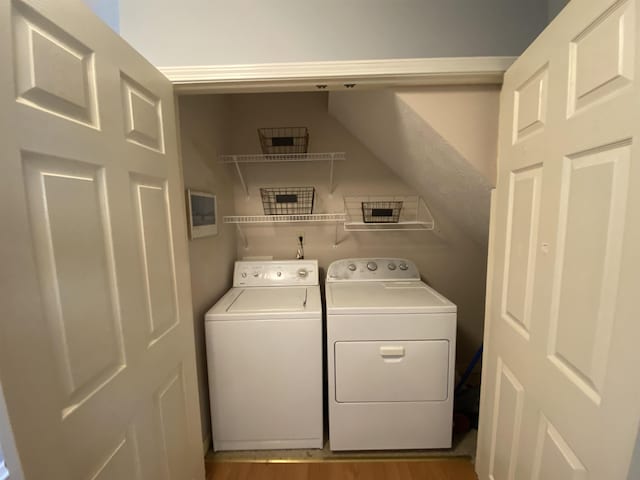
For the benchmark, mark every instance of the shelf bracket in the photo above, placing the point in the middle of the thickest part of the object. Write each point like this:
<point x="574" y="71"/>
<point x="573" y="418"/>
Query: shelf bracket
<point x="243" y="237"/>
<point x="239" y="170"/>
<point x="331" y="174"/>
<point x="336" y="242"/>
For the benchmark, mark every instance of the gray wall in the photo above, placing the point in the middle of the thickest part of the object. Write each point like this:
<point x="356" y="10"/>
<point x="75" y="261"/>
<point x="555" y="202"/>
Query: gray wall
<point x="210" y="32"/>
<point x="107" y="10"/>
<point x="554" y="7"/>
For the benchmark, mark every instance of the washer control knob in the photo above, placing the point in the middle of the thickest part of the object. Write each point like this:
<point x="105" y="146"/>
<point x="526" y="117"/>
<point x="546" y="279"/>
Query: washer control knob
<point x="279" y="274"/>
<point x="403" y="266"/>
<point x="352" y="267"/>
<point x="373" y="266"/>
<point x="243" y="274"/>
<point x="392" y="266"/>
<point x="256" y="274"/>
<point x="302" y="273"/>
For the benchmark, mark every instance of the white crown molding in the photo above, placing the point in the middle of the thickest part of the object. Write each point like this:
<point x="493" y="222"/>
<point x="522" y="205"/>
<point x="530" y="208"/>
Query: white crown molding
<point x="307" y="75"/>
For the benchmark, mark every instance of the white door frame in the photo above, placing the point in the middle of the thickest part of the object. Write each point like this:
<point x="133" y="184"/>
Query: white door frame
<point x="312" y="76"/>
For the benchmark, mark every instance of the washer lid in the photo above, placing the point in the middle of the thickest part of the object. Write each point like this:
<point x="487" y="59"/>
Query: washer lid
<point x="267" y="303"/>
<point x="256" y="300"/>
<point x="385" y="297"/>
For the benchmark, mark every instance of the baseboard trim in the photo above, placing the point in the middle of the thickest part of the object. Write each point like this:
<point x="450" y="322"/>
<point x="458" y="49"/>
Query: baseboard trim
<point x="305" y="76"/>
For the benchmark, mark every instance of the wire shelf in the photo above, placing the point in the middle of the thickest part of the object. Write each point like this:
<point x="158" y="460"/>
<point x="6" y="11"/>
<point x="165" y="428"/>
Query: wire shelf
<point x="311" y="218"/>
<point x="414" y="215"/>
<point x="283" y="157"/>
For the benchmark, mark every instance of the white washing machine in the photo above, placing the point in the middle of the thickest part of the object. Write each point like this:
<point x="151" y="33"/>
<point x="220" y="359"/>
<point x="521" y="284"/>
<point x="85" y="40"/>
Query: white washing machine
<point x="391" y="343"/>
<point x="264" y="352"/>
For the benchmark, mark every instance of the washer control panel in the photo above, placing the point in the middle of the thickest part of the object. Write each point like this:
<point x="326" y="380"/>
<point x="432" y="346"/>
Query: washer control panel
<point x="366" y="269"/>
<point x="275" y="273"/>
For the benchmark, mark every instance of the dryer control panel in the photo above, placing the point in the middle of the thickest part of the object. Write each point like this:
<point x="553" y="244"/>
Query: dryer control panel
<point x="368" y="269"/>
<point x="275" y="273"/>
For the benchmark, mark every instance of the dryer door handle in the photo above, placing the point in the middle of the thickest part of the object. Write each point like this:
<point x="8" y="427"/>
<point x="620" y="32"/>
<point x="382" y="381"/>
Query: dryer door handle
<point x="393" y="351"/>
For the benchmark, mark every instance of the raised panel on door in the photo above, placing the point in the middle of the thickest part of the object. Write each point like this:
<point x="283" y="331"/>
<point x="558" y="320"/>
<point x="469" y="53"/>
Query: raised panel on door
<point x="592" y="213"/>
<point x="554" y="458"/>
<point x="122" y="462"/>
<point x="602" y="57"/>
<point x="520" y="252"/>
<point x="142" y="115"/>
<point x="70" y="222"/>
<point x="54" y="71"/>
<point x="154" y="233"/>
<point x="171" y="411"/>
<point x="507" y="421"/>
<point x="530" y="105"/>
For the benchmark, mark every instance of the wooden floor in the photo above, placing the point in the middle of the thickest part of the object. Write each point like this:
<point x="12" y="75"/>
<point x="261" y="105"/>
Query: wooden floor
<point x="454" y="469"/>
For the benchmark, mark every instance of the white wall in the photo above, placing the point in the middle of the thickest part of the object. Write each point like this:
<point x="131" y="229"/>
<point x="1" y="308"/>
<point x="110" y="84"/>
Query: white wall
<point x="203" y="135"/>
<point x="211" y="32"/>
<point x="466" y="116"/>
<point x="448" y="260"/>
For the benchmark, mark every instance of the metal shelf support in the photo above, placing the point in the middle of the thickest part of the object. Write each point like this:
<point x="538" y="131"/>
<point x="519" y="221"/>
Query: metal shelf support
<point x="259" y="159"/>
<point x="239" y="170"/>
<point x="331" y="174"/>
<point x="336" y="241"/>
<point x="242" y="236"/>
<point x="239" y="220"/>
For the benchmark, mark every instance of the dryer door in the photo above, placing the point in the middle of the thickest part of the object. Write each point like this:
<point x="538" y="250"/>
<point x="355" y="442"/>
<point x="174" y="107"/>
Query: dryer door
<point x="391" y="371"/>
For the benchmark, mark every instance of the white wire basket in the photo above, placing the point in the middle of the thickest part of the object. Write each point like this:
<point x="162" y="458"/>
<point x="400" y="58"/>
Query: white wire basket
<point x="288" y="200"/>
<point x="284" y="140"/>
<point x="414" y="214"/>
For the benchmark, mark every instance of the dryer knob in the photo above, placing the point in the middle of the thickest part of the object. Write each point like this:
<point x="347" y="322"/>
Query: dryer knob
<point x="302" y="273"/>
<point x="403" y="266"/>
<point x="244" y="274"/>
<point x="392" y="266"/>
<point x="373" y="266"/>
<point x="352" y="267"/>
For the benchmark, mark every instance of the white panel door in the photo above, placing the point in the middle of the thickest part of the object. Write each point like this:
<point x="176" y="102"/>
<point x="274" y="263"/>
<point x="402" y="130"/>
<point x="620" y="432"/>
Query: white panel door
<point x="96" y="339"/>
<point x="560" y="397"/>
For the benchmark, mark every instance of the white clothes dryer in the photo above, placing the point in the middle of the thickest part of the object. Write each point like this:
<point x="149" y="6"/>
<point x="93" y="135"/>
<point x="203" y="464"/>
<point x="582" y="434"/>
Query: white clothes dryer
<point x="264" y="353"/>
<point x="391" y="352"/>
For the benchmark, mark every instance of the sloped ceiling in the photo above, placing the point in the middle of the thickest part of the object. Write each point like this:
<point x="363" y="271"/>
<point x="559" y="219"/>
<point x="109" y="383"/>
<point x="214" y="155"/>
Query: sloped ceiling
<point x="396" y="133"/>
